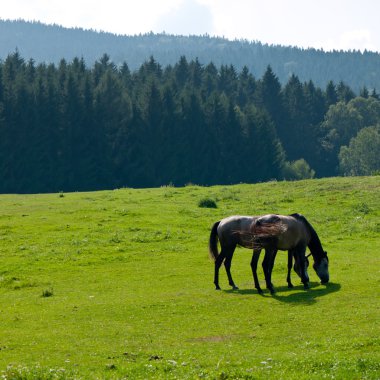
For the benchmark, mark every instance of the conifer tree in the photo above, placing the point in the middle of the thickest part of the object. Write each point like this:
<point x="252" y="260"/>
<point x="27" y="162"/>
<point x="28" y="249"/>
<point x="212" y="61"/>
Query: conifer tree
<point x="72" y="127"/>
<point x="269" y="96"/>
<point x="331" y="94"/>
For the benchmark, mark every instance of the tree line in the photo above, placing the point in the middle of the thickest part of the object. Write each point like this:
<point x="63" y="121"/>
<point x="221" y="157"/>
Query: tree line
<point x="49" y="43"/>
<point x="69" y="127"/>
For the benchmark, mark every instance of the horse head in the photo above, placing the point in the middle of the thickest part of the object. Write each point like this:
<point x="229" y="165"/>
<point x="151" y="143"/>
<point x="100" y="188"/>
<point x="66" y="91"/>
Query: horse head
<point x="321" y="267"/>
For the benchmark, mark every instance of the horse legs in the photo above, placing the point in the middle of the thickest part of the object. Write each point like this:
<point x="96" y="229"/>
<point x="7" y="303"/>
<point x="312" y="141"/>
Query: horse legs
<point x="290" y="264"/>
<point x="226" y="256"/>
<point x="218" y="263"/>
<point x="300" y="257"/>
<point x="268" y="263"/>
<point x="227" y="265"/>
<point x="273" y="257"/>
<point x="255" y="259"/>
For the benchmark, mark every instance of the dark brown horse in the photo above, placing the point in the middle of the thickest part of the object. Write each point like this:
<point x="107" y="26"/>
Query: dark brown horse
<point x="292" y="233"/>
<point x="230" y="232"/>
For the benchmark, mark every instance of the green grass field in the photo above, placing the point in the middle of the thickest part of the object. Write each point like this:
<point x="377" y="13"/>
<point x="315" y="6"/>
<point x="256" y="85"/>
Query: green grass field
<point x="118" y="284"/>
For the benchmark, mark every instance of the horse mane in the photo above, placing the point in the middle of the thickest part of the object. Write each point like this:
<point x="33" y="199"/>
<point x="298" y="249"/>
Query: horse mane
<point x="246" y="239"/>
<point x="267" y="230"/>
<point x="264" y="233"/>
<point x="314" y="244"/>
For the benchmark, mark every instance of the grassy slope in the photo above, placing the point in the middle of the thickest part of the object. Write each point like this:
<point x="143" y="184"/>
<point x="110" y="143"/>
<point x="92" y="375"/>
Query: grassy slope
<point x="133" y="294"/>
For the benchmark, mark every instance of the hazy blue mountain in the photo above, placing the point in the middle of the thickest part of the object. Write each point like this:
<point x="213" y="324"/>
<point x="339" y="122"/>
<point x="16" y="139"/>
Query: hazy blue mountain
<point x="51" y="43"/>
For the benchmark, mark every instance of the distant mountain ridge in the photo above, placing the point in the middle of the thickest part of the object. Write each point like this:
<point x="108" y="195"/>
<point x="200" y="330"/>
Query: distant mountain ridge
<point x="51" y="43"/>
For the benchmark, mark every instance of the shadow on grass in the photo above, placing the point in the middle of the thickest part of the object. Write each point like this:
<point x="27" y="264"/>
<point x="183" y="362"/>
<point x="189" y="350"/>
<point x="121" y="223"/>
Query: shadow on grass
<point x="296" y="295"/>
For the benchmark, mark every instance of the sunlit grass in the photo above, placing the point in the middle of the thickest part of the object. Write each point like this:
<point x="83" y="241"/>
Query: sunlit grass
<point x="118" y="284"/>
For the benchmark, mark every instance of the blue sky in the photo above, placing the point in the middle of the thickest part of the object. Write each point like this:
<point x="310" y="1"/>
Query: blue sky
<point x="327" y="24"/>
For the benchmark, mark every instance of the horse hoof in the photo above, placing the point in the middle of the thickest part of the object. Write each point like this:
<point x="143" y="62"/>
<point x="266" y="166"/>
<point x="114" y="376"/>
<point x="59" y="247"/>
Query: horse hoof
<point x="235" y="287"/>
<point x="306" y="286"/>
<point x="272" y="291"/>
<point x="217" y="288"/>
<point x="290" y="286"/>
<point x="260" y="291"/>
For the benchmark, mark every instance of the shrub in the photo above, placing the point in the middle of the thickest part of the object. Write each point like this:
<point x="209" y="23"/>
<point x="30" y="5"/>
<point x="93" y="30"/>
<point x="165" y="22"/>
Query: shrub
<point x="47" y="293"/>
<point x="296" y="170"/>
<point x="207" y="203"/>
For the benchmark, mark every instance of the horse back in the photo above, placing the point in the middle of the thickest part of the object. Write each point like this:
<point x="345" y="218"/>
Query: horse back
<point x="236" y="230"/>
<point x="293" y="233"/>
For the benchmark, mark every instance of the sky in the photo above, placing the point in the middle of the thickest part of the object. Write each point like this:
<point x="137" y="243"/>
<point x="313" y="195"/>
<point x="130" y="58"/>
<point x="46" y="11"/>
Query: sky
<point x="326" y="24"/>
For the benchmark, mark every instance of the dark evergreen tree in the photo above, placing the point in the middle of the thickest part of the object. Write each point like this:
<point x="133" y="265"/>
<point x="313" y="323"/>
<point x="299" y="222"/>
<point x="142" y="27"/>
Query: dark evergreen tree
<point x="46" y="147"/>
<point x="181" y="71"/>
<point x="331" y="94"/>
<point x="269" y="97"/>
<point x="345" y="94"/>
<point x="374" y="94"/>
<point x="69" y="127"/>
<point x="113" y="112"/>
<point x="200" y="159"/>
<point x="364" y="93"/>
<point x="228" y="81"/>
<point x="169" y="165"/>
<point x="246" y="88"/>
<point x="296" y="127"/>
<point x="196" y="70"/>
<point x="210" y="80"/>
<point x="263" y="153"/>
<point x="137" y="153"/>
<point x="154" y="138"/>
<point x="150" y="69"/>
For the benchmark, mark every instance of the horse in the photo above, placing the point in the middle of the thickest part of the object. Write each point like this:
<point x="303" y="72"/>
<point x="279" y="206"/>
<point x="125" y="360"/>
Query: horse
<point x="292" y="233"/>
<point x="237" y="230"/>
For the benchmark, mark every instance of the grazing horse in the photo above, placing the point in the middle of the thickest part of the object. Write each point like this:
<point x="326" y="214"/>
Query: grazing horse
<point x="238" y="230"/>
<point x="233" y="231"/>
<point x="292" y="233"/>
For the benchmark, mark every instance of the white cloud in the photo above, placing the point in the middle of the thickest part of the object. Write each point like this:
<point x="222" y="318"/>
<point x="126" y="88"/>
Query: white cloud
<point x="116" y="16"/>
<point x="188" y="17"/>
<point x="358" y="39"/>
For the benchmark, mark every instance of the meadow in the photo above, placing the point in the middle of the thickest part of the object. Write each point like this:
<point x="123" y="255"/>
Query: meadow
<point x="118" y="284"/>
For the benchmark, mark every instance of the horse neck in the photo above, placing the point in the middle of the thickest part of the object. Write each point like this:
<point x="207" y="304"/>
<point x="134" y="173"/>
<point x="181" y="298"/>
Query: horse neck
<point x="315" y="244"/>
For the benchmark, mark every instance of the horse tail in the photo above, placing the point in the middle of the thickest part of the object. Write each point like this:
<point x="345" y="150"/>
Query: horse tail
<point x="213" y="242"/>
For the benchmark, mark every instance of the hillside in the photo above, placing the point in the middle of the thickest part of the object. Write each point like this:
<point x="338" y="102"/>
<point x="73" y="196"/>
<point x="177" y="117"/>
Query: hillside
<point x="50" y="43"/>
<point x="118" y="284"/>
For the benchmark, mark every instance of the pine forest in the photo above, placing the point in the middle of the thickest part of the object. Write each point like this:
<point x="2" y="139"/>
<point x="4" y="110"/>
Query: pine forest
<point x="74" y="127"/>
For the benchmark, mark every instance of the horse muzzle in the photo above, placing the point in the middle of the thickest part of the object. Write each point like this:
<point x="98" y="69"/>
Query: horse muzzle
<point x="325" y="280"/>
